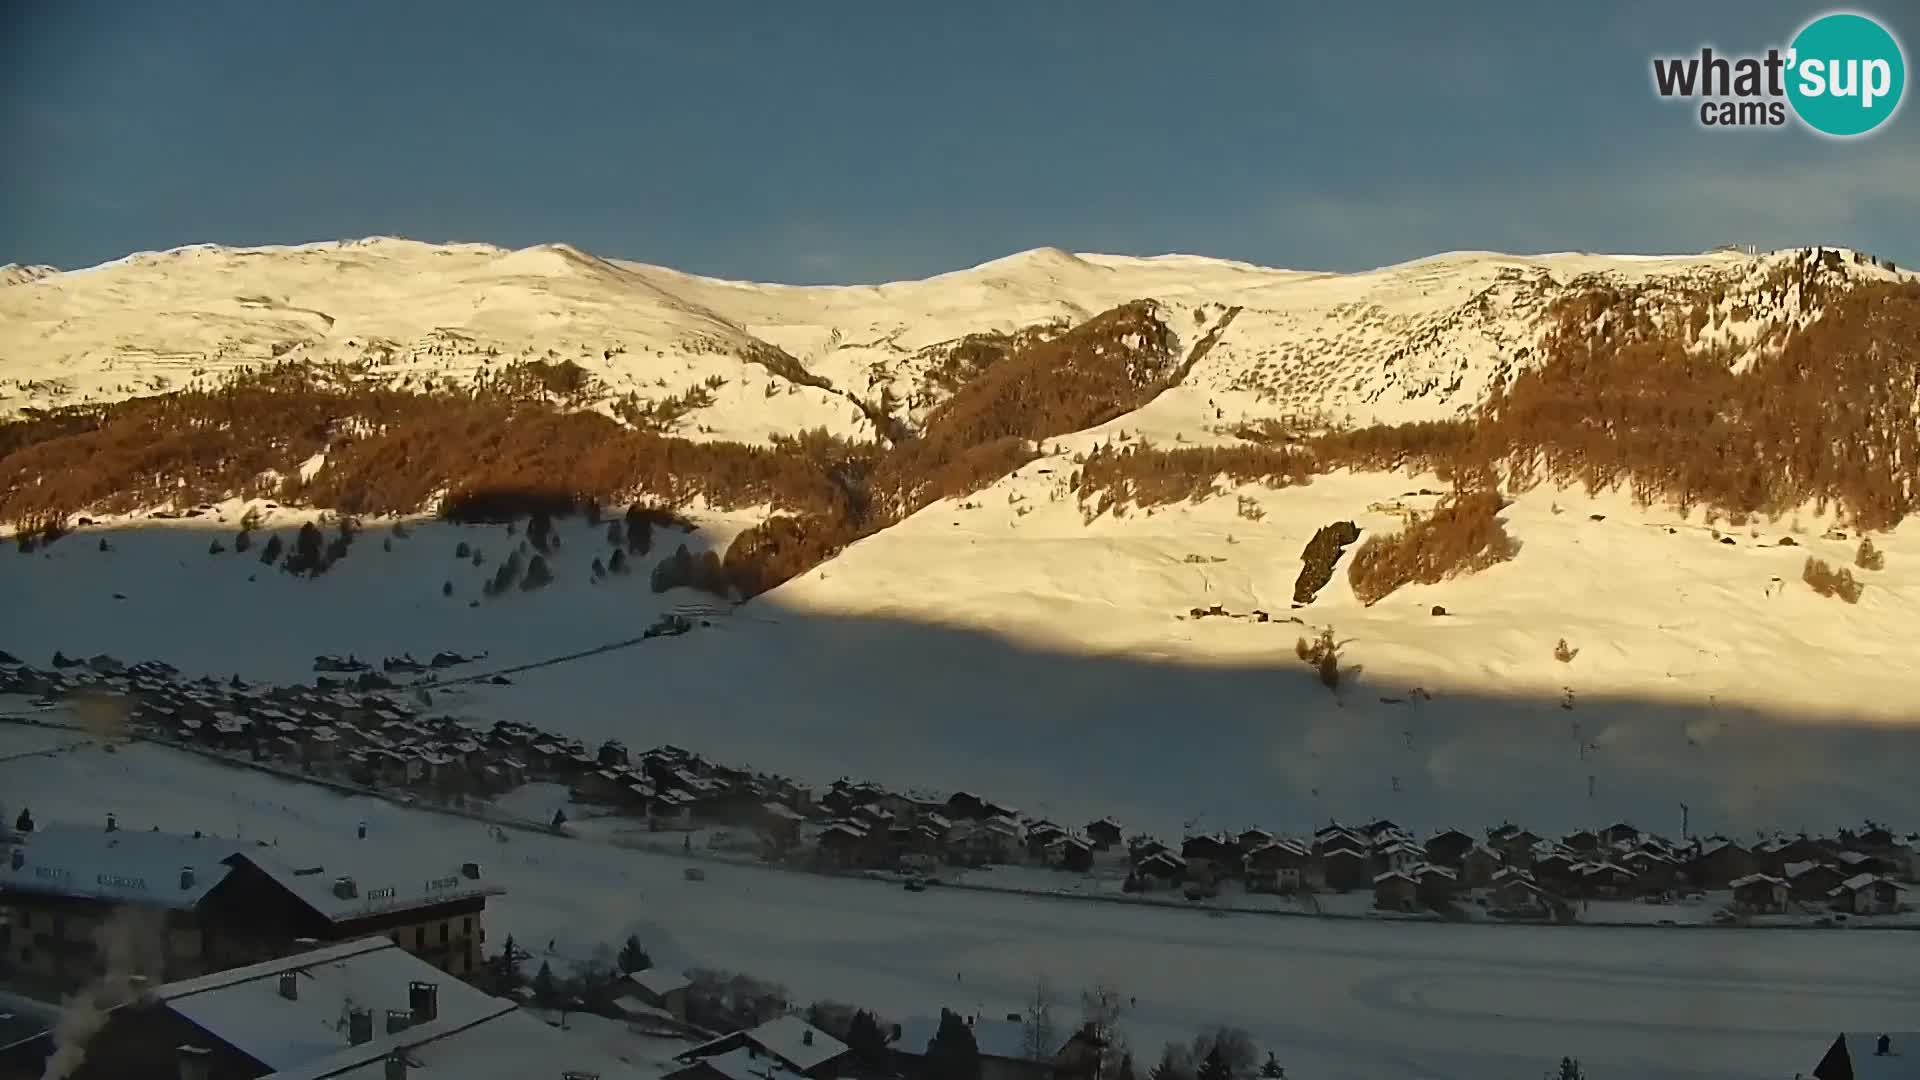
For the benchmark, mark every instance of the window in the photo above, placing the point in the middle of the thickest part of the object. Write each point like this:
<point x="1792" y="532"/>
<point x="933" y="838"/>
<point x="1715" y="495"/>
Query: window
<point x="420" y="937"/>
<point x="445" y="928"/>
<point x="466" y="927"/>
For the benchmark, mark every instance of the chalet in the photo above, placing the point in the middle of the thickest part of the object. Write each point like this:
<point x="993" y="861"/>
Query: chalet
<point x="1437" y="884"/>
<point x="788" y="1042"/>
<point x="1760" y="894"/>
<point x="1253" y="838"/>
<point x="1448" y="848"/>
<point x="1082" y="1056"/>
<point x="1517" y="896"/>
<point x="1216" y="854"/>
<point x="1401" y="856"/>
<point x="1162" y="869"/>
<point x="670" y="810"/>
<point x="1585" y="841"/>
<point x="601" y="786"/>
<point x="1396" y="890"/>
<point x="1620" y="834"/>
<point x="362" y="1008"/>
<point x="1813" y="882"/>
<point x="1867" y="894"/>
<point x="1604" y="879"/>
<point x="657" y="988"/>
<point x="847" y="844"/>
<point x="613" y="754"/>
<point x="1277" y="867"/>
<point x="1478" y="866"/>
<point x="1772" y="856"/>
<point x="1104" y="834"/>
<point x="1555" y="869"/>
<point x="1383" y="830"/>
<point x="971" y="843"/>
<point x="1859" y="862"/>
<point x="781" y="824"/>
<point x="224" y="903"/>
<point x="1076" y="854"/>
<point x="1514" y="844"/>
<point x="1343" y="869"/>
<point x="1653" y="872"/>
<point x="1040" y="834"/>
<point x="1339" y="837"/>
<point x="1717" y="861"/>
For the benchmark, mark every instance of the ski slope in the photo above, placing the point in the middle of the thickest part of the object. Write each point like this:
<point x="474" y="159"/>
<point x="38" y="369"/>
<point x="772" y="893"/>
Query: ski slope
<point x="1379" y="1001"/>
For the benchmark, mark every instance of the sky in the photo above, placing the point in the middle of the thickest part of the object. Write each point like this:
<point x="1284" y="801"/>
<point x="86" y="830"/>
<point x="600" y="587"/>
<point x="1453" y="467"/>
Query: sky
<point x="870" y="140"/>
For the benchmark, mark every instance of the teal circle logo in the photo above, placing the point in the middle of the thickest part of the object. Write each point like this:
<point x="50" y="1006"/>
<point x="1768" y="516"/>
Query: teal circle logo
<point x="1846" y="75"/>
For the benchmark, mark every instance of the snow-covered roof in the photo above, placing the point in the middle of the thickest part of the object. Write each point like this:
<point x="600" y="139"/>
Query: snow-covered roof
<point x="1861" y="881"/>
<point x="509" y="1045"/>
<point x="244" y="1008"/>
<point x="123" y="866"/>
<point x="1756" y="879"/>
<point x="659" y="981"/>
<point x="745" y="1064"/>
<point x="381" y="884"/>
<point x="794" y="1041"/>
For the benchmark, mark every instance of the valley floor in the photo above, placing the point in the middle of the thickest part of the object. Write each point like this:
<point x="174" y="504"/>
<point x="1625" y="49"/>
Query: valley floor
<point x="1333" y="999"/>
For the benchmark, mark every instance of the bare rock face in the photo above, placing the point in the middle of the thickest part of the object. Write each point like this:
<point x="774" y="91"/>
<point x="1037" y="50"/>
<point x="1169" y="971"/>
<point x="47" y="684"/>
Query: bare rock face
<point x="1319" y="557"/>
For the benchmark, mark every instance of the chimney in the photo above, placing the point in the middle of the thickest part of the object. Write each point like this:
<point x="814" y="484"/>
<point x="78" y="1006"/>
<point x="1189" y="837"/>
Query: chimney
<point x="470" y="870"/>
<point x="360" y="1026"/>
<point x="137" y="986"/>
<point x="186" y="878"/>
<point x="196" y="1062"/>
<point x="806" y="1037"/>
<point x="19" y="858"/>
<point x="398" y="1020"/>
<point x="397" y="1065"/>
<point x="112" y="825"/>
<point x="344" y="888"/>
<point x="363" y="830"/>
<point x="290" y="985"/>
<point x="424" y="999"/>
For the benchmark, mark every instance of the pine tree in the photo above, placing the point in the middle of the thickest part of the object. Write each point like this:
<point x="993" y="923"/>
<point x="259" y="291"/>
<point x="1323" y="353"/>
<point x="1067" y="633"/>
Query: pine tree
<point x="1271" y="1069"/>
<point x="506" y="966"/>
<point x="1570" y="1069"/>
<point x="633" y="956"/>
<point x="1214" y="1066"/>
<point x="545" y="988"/>
<point x="951" y="1053"/>
<point x="1125" y="1072"/>
<point x="866" y="1042"/>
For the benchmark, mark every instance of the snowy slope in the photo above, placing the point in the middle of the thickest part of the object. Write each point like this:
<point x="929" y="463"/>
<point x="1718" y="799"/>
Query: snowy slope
<point x="1414" y="341"/>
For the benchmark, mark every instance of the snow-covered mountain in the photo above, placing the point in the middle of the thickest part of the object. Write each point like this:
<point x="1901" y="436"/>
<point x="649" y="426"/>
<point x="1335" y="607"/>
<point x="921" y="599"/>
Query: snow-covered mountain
<point x="1679" y="626"/>
<point x="1410" y="342"/>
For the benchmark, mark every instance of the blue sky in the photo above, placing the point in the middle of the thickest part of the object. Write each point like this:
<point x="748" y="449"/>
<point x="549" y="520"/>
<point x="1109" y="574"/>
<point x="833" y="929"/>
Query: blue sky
<point x="863" y="141"/>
